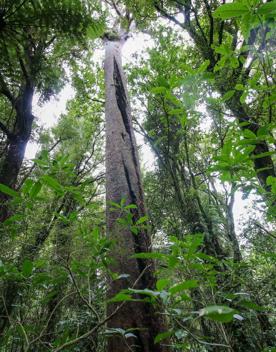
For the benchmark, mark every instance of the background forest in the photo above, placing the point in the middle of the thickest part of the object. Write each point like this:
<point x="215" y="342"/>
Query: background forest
<point x="98" y="255"/>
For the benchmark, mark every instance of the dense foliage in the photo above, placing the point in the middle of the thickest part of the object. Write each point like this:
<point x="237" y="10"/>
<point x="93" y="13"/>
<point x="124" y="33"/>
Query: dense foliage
<point x="202" y="97"/>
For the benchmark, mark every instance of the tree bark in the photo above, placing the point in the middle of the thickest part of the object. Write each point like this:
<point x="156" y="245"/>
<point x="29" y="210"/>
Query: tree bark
<point x="123" y="181"/>
<point x="17" y="142"/>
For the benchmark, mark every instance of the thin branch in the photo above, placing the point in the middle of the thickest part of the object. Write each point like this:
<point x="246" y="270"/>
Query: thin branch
<point x="168" y="16"/>
<point x="198" y="339"/>
<point x="264" y="229"/>
<point x="80" y="294"/>
<point x="50" y="317"/>
<point x="100" y="324"/>
<point x="98" y="101"/>
<point x="16" y="9"/>
<point x="34" y="165"/>
<point x="24" y="334"/>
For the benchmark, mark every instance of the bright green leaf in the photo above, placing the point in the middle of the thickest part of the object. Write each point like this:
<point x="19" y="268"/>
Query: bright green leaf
<point x="141" y="220"/>
<point x="227" y="11"/>
<point x="268" y="9"/>
<point x="52" y="183"/>
<point x="7" y="190"/>
<point x="161" y="284"/>
<point x="121" y="297"/>
<point x="249" y="134"/>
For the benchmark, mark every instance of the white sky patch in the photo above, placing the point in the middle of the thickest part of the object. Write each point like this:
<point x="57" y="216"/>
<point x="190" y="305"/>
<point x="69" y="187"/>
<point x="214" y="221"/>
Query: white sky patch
<point x="47" y="115"/>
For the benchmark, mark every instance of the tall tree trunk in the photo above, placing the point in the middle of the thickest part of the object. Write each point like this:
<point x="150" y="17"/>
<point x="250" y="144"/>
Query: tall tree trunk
<point x="17" y="142"/>
<point x="123" y="180"/>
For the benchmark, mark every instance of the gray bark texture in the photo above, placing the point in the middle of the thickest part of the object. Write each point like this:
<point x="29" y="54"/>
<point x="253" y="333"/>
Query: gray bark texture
<point x="123" y="180"/>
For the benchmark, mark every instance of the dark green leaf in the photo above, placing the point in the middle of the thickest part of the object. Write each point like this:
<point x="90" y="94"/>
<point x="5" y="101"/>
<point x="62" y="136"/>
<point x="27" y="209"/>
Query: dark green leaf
<point x="27" y="267"/>
<point x="183" y="286"/>
<point x="162" y="336"/>
<point x="222" y="314"/>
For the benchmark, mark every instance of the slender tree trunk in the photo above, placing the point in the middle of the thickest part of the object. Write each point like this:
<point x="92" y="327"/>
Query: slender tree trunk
<point x="17" y="142"/>
<point x="231" y="228"/>
<point x="123" y="180"/>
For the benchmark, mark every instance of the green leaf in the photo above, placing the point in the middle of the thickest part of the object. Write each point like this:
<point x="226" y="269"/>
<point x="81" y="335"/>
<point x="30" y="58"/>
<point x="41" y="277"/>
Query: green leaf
<point x="203" y="66"/>
<point x="134" y="230"/>
<point x="115" y="331"/>
<point x="176" y="111"/>
<point x="14" y="218"/>
<point x="228" y="95"/>
<point x="239" y="86"/>
<point x="227" y="11"/>
<point x="183" y="120"/>
<point x="263" y="131"/>
<point x="249" y="134"/>
<point x="270" y="180"/>
<point x="251" y="305"/>
<point x="159" y="90"/>
<point x="262" y="155"/>
<point x="35" y="189"/>
<point x="52" y="183"/>
<point x="121" y="297"/>
<point x="162" y="336"/>
<point x="267" y="9"/>
<point x="145" y="291"/>
<point x="183" y="286"/>
<point x="141" y="220"/>
<point x="115" y="205"/>
<point x="161" y="284"/>
<point x="7" y="190"/>
<point x="27" y="267"/>
<point x="226" y="176"/>
<point x="243" y="97"/>
<point x="95" y="30"/>
<point x="222" y="314"/>
<point x="131" y="206"/>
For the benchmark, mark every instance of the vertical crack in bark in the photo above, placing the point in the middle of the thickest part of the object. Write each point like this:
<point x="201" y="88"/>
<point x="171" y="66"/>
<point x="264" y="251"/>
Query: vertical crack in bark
<point x="121" y="97"/>
<point x="131" y="191"/>
<point x="138" y="247"/>
<point x="122" y="103"/>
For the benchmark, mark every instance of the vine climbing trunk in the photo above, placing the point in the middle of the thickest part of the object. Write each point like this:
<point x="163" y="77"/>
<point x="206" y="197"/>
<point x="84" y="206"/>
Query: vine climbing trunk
<point x="123" y="181"/>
